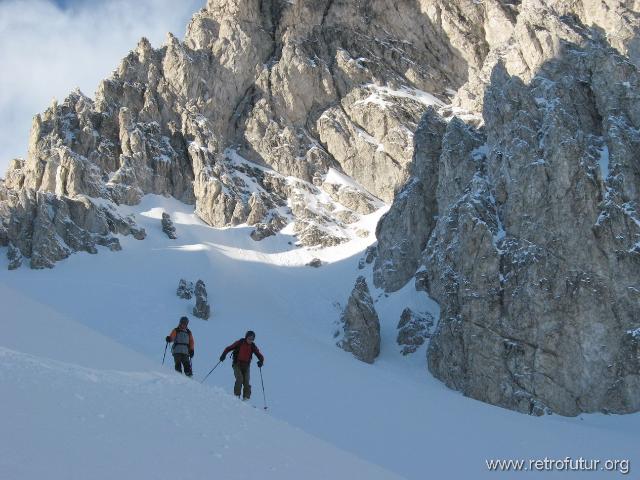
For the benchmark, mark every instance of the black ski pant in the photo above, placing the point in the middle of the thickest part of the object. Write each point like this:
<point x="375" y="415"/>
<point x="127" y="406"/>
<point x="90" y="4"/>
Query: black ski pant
<point x="241" y="372"/>
<point x="182" y="360"/>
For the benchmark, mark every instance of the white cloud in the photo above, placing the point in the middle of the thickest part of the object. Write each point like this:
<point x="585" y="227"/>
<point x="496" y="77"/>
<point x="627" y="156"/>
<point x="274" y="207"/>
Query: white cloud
<point x="46" y="52"/>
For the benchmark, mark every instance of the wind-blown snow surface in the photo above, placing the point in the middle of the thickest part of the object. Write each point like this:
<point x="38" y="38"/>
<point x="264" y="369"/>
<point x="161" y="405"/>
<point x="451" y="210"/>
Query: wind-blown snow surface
<point x="84" y="395"/>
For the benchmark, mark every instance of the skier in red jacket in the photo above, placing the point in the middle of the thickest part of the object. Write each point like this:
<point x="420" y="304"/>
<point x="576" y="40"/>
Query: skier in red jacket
<point x="243" y="351"/>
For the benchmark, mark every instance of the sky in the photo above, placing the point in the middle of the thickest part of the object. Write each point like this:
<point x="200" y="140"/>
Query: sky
<point x="50" y="47"/>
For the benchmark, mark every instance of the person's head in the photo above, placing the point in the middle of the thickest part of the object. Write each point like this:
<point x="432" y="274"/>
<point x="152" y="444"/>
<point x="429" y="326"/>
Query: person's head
<point x="250" y="336"/>
<point x="184" y="321"/>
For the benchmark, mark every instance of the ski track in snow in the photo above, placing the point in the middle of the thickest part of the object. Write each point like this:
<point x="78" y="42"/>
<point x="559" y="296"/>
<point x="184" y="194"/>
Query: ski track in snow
<point x="82" y="345"/>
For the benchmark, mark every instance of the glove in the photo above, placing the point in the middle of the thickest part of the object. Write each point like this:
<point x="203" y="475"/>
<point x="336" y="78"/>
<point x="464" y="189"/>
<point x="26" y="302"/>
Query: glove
<point x="191" y="353"/>
<point x="222" y="357"/>
<point x="260" y="363"/>
<point x="168" y="339"/>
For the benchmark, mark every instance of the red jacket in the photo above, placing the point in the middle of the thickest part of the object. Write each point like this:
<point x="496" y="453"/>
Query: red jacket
<point x="243" y="351"/>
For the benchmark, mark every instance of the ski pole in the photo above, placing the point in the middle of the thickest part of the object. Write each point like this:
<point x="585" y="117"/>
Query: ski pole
<point x="210" y="372"/>
<point x="165" y="352"/>
<point x="263" y="395"/>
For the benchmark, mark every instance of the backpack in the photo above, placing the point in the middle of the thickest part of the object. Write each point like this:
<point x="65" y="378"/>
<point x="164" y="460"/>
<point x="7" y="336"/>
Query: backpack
<point x="179" y="347"/>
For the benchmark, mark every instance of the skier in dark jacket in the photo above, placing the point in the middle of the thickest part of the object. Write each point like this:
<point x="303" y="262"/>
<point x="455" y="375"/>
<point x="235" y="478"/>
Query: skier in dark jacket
<point x="183" y="347"/>
<point x="243" y="351"/>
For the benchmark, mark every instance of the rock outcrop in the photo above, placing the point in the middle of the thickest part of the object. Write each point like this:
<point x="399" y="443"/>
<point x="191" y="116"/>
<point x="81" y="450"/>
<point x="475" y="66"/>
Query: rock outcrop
<point x="47" y="228"/>
<point x="185" y="289"/>
<point x="528" y="234"/>
<point x="361" y="324"/>
<point x="14" y="256"/>
<point x="202" y="308"/>
<point x="167" y="226"/>
<point x="315" y="263"/>
<point x="413" y="330"/>
<point x="403" y="231"/>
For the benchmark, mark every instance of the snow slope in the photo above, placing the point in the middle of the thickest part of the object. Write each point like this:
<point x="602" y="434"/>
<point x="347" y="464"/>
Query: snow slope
<point x="66" y="421"/>
<point x="391" y="414"/>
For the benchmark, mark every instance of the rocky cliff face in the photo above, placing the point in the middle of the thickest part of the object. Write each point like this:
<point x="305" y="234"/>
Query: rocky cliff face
<point x="249" y="114"/>
<point x="504" y="132"/>
<point x="529" y="233"/>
